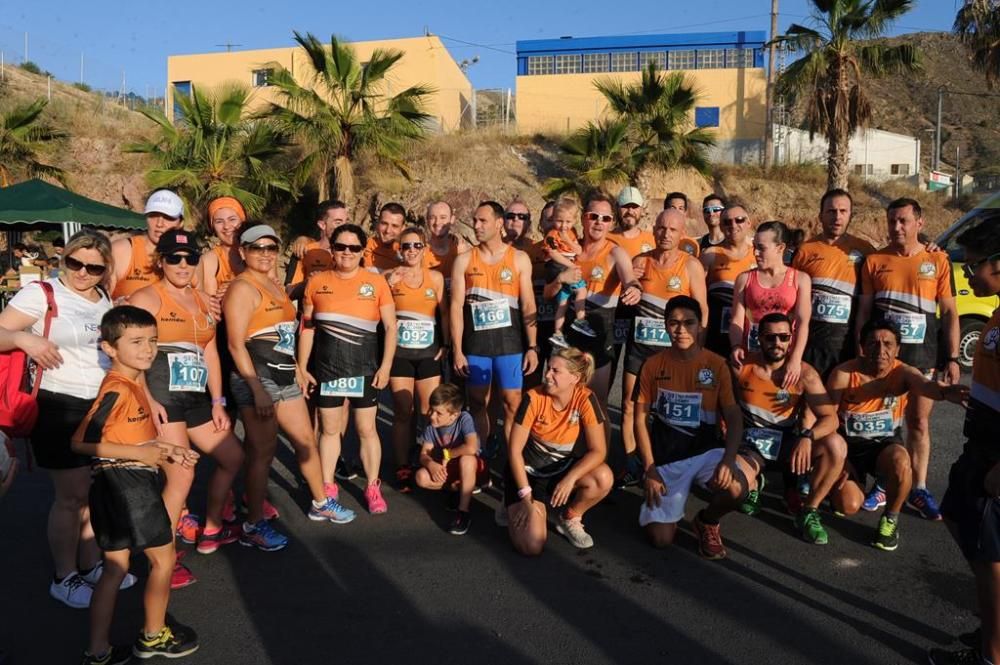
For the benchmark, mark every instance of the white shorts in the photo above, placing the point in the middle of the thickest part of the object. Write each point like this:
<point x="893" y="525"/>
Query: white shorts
<point x="678" y="477"/>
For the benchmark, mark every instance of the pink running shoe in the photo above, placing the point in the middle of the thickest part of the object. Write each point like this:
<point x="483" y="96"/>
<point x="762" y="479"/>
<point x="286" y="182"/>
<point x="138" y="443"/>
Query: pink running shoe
<point x="373" y="495"/>
<point x="187" y="528"/>
<point x="268" y="510"/>
<point x="182" y="576"/>
<point x="229" y="509"/>
<point x="209" y="543"/>
<point x="331" y="490"/>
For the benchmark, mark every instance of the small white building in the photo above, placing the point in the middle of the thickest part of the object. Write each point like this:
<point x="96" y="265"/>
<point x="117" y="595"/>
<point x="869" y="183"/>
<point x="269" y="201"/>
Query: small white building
<point x="875" y="154"/>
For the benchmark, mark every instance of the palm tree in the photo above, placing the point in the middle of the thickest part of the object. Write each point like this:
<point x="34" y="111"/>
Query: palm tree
<point x="344" y="111"/>
<point x="598" y="156"/>
<point x="977" y="24"/>
<point x="217" y="148"/>
<point x="22" y="138"/>
<point x="840" y="57"/>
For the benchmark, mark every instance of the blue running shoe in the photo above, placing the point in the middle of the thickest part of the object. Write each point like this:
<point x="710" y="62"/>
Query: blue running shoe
<point x="332" y="511"/>
<point x="922" y="501"/>
<point x="262" y="536"/>
<point x="874" y="500"/>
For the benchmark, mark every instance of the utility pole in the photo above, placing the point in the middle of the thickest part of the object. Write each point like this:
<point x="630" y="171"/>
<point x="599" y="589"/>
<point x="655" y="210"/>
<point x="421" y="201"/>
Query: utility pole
<point x="769" y="124"/>
<point x="228" y="46"/>
<point x="81" y="68"/>
<point x="937" y="134"/>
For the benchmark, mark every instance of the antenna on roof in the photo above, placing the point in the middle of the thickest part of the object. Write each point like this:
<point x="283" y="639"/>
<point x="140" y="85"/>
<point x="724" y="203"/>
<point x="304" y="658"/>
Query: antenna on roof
<point x="427" y="31"/>
<point x="228" y="46"/>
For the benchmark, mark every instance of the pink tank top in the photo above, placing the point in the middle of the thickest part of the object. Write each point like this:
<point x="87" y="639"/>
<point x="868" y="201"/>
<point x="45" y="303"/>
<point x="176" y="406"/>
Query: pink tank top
<point x="761" y="300"/>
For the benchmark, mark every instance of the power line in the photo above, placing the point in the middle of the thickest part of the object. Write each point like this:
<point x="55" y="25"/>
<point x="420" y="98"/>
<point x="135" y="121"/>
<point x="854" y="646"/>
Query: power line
<point x="485" y="46"/>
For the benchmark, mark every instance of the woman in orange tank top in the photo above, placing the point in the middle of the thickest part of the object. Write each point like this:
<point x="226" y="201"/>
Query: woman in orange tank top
<point x="770" y="287"/>
<point x="186" y="379"/>
<point x="221" y="266"/>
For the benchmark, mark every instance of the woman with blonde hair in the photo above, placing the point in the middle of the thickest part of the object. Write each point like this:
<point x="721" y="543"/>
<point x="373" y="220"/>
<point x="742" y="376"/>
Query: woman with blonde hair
<point x="541" y="466"/>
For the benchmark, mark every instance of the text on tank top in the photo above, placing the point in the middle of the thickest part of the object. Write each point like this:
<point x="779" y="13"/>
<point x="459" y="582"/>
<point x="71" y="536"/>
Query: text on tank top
<point x="416" y="313"/>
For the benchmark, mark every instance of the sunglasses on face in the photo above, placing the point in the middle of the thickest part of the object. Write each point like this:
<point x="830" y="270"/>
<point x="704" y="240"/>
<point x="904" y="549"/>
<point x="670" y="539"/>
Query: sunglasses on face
<point x="598" y="217"/>
<point x="969" y="268"/>
<point x="523" y="216"/>
<point x="269" y="248"/>
<point x="411" y="245"/>
<point x="712" y="209"/>
<point x="93" y="269"/>
<point x="344" y="247"/>
<point x="776" y="337"/>
<point x="175" y="259"/>
<point x="732" y="221"/>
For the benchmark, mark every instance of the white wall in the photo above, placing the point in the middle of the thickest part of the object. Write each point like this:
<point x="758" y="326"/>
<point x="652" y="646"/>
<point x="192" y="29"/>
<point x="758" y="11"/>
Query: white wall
<point x="876" y="149"/>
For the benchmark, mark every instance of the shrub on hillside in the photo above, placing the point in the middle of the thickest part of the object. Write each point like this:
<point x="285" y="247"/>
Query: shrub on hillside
<point x="29" y="66"/>
<point x="83" y="86"/>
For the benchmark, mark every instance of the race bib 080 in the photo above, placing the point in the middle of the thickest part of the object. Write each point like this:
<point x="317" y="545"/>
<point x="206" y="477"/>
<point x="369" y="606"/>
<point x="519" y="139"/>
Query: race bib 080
<point x="353" y="386"/>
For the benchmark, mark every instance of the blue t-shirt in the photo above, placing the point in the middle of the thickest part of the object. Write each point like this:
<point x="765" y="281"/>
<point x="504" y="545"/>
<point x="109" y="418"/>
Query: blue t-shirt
<point x="452" y="435"/>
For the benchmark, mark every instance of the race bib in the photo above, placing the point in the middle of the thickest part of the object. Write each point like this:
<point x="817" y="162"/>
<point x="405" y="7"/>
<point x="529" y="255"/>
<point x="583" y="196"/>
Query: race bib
<point x="188" y="372"/>
<point x="651" y="331"/>
<point x="621" y="330"/>
<point x="545" y="310"/>
<point x="912" y="327"/>
<point x="727" y="318"/>
<point x="876" y="425"/>
<point x="353" y="386"/>
<point x="831" y="307"/>
<point x="414" y="334"/>
<point x="679" y="409"/>
<point x="753" y="338"/>
<point x="765" y="441"/>
<point x="286" y="338"/>
<point x="490" y="315"/>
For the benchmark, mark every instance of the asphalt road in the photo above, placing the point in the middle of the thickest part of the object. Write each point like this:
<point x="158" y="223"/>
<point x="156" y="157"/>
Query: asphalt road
<point x="399" y="588"/>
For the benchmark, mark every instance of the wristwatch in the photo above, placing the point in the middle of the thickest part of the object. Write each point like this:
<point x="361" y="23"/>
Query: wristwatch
<point x="535" y="348"/>
<point x="806" y="433"/>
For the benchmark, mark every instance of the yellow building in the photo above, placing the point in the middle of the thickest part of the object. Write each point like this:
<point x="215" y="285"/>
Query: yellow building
<point x="425" y="61"/>
<point x="556" y="93"/>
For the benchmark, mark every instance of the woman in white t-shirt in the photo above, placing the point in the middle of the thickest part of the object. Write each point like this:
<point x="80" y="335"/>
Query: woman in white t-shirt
<point x="73" y="366"/>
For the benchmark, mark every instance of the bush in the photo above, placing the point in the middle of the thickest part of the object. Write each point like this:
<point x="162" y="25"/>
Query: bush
<point x="83" y="86"/>
<point x="29" y="66"/>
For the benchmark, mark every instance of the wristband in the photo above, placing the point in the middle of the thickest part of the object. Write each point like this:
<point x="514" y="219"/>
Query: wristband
<point x="523" y="492"/>
<point x="446" y="454"/>
<point x="219" y="400"/>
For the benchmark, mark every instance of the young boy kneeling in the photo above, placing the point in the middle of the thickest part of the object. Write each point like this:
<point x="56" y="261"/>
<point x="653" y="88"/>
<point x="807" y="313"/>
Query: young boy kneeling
<point x="449" y="453"/>
<point x="126" y="508"/>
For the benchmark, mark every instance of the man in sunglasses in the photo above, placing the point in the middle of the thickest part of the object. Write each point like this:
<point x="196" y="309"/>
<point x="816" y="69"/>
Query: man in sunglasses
<point x="711" y="211"/>
<point x="723" y="263"/>
<point x="776" y="431"/>
<point x="135" y="257"/>
<point x="912" y="287"/>
<point x="971" y="505"/>
<point x="517" y="225"/>
<point x="382" y="249"/>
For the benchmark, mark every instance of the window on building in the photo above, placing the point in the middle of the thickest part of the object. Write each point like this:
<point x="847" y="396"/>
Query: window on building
<point x="864" y="169"/>
<point x="681" y="60"/>
<point x="899" y="169"/>
<point x="623" y="62"/>
<point x="180" y="88"/>
<point x="659" y="57"/>
<point x="539" y="64"/>
<point x="711" y="58"/>
<point x="567" y="64"/>
<point x="706" y="116"/>
<point x="595" y="62"/>
<point x="739" y="57"/>
<point x="261" y="78"/>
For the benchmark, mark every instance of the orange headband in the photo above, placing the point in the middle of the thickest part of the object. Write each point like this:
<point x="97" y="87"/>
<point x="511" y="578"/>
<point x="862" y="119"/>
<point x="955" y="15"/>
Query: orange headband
<point x="227" y="202"/>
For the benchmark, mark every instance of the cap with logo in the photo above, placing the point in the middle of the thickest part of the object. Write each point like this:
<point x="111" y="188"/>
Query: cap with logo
<point x="630" y="196"/>
<point x="255" y="233"/>
<point x="177" y="240"/>
<point x="166" y="203"/>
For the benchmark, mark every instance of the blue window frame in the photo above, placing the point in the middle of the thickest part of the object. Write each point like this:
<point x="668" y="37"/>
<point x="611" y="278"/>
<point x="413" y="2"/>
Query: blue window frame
<point x="180" y="88"/>
<point x="706" y="116"/>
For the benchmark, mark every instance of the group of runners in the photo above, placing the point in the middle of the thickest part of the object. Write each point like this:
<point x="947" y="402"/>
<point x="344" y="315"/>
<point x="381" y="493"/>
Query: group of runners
<point x="744" y="352"/>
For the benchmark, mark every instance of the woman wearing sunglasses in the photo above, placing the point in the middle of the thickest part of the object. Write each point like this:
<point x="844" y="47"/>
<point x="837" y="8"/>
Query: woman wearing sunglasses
<point x="421" y="340"/>
<point x="723" y="264"/>
<point x="186" y="379"/>
<point x="268" y="386"/>
<point x="341" y="312"/>
<point x="73" y="368"/>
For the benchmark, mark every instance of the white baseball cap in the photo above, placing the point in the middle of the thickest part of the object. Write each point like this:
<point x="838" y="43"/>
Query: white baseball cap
<point x="630" y="196"/>
<point x="165" y="202"/>
<point x="255" y="233"/>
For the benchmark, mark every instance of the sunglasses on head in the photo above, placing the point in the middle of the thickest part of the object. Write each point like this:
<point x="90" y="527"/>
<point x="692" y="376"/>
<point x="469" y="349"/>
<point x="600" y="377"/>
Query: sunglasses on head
<point x="969" y="268"/>
<point x="93" y="269"/>
<point x="344" y="247"/>
<point x="732" y="221"/>
<point x="523" y="216"/>
<point x="411" y="245"/>
<point x="269" y="248"/>
<point x="598" y="217"/>
<point x="712" y="209"/>
<point x="175" y="259"/>
<point x="776" y="337"/>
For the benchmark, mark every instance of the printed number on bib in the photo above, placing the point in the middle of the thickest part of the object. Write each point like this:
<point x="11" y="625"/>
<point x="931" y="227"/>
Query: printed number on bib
<point x="353" y="386"/>
<point x="490" y="315"/>
<point x="912" y="327"/>
<point x="650" y="331"/>
<point x="679" y="409"/>
<point x="621" y="330"/>
<point x="727" y="318"/>
<point x="876" y="425"/>
<point x="831" y="307"/>
<point x="286" y="338"/>
<point x="766" y="441"/>
<point x="414" y="334"/>
<point x="188" y="372"/>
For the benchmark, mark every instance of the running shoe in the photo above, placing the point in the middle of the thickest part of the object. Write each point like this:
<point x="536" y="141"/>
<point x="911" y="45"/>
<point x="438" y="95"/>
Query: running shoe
<point x="633" y="473"/>
<point x="500" y="515"/>
<point x="793" y="501"/>
<point x="187" y="528"/>
<point x="887" y="534"/>
<point x="95" y="573"/>
<point x="922" y="501"/>
<point x="343" y="471"/>
<point x="268" y="511"/>
<point x="209" y="543"/>
<point x="460" y="526"/>
<point x="709" y="539"/>
<point x="181" y="575"/>
<point x="170" y="642"/>
<point x="332" y="511"/>
<point x="960" y="657"/>
<point x="262" y="536"/>
<point x="574" y="532"/>
<point x="810" y="528"/>
<point x="373" y="496"/>
<point x="113" y="656"/>
<point x="229" y="509"/>
<point x="331" y="491"/>
<point x="581" y="326"/>
<point x="72" y="591"/>
<point x="751" y="504"/>
<point x="404" y="479"/>
<point x="558" y="341"/>
<point x="874" y="500"/>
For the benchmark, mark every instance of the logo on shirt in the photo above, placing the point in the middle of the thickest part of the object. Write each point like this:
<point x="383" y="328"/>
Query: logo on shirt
<point x="597" y="274"/>
<point x="574" y="417"/>
<point x="172" y="317"/>
<point x="889" y="401"/>
<point x="706" y="377"/>
<point x="506" y="276"/>
<point x="366" y="290"/>
<point x="429" y="294"/>
<point x="782" y="396"/>
<point x="927" y="270"/>
<point x="990" y="339"/>
<point x="646" y="247"/>
<point x="674" y="283"/>
<point x="855" y="257"/>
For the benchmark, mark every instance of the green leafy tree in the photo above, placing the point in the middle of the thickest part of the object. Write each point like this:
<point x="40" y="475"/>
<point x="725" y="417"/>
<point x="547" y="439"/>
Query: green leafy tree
<point x="217" y="148"/>
<point x="344" y="110"/>
<point x="23" y="138"/>
<point x="840" y="58"/>
<point x="977" y="24"/>
<point x="597" y="156"/>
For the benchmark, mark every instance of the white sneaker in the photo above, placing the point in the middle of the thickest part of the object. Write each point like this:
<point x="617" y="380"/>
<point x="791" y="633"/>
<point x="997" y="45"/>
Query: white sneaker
<point x="575" y="533"/>
<point x="73" y="591"/>
<point x="500" y="514"/>
<point x="95" y="574"/>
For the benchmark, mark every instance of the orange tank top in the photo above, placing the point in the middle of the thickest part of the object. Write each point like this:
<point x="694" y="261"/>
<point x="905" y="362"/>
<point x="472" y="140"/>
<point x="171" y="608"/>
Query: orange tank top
<point x="417" y="303"/>
<point x="271" y="315"/>
<point x="442" y="264"/>
<point x="873" y="409"/>
<point x="176" y="326"/>
<point x="765" y="404"/>
<point x="721" y="277"/>
<point x="497" y="281"/>
<point x="225" y="273"/>
<point x="603" y="285"/>
<point x="140" y="270"/>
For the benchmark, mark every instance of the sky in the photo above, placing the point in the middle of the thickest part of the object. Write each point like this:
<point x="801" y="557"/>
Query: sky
<point x="137" y="37"/>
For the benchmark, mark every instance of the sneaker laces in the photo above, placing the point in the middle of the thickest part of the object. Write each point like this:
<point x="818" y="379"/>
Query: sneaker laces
<point x="711" y="534"/>
<point x="75" y="582"/>
<point x="886" y="527"/>
<point x="811" y="518"/>
<point x="264" y="529"/>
